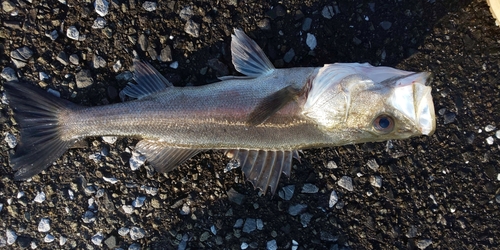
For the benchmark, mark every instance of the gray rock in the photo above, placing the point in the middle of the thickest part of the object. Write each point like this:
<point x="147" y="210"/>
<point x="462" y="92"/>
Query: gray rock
<point x="88" y="217"/>
<point x="166" y="54"/>
<point x="99" y="23"/>
<point x="327" y="12"/>
<point x="137" y="233"/>
<point x="9" y="74"/>
<point x="84" y="79"/>
<point x="11" y="236"/>
<point x="376" y="181"/>
<point x="305" y="218"/>
<point x="152" y="53"/>
<point x="123" y="231"/>
<point x="101" y="7"/>
<point x="286" y="193"/>
<point x="186" y="13"/>
<point x="73" y="33"/>
<point x="326" y="236"/>
<point x="385" y="25"/>
<point x="139" y="201"/>
<point x="8" y="6"/>
<point x="21" y="56"/>
<point x="264" y="24"/>
<point x="74" y="59"/>
<point x="149" y="6"/>
<point x="309" y="188"/>
<point x="53" y="35"/>
<point x="110" y="242"/>
<point x="143" y="42"/>
<point x="372" y="163"/>
<point x="134" y="246"/>
<point x="238" y="223"/>
<point x="250" y="225"/>
<point x="306" y="25"/>
<point x="272" y="245"/>
<point x="449" y="117"/>
<point x="289" y="56"/>
<point x="97" y="238"/>
<point x="294" y="210"/>
<point x="49" y="238"/>
<point x="98" y="62"/>
<point x="311" y="41"/>
<point x="44" y="225"/>
<point x="62" y="57"/>
<point x="346" y="182"/>
<point x="423" y="244"/>
<point x="192" y="28"/>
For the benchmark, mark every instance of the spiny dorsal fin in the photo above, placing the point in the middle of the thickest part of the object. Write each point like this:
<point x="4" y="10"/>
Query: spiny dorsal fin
<point x="271" y="104"/>
<point x="162" y="157"/>
<point x="263" y="168"/>
<point x="148" y="79"/>
<point x="248" y="57"/>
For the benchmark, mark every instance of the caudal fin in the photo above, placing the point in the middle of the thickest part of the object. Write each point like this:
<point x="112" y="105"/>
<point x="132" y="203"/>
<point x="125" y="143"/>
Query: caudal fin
<point x="36" y="113"/>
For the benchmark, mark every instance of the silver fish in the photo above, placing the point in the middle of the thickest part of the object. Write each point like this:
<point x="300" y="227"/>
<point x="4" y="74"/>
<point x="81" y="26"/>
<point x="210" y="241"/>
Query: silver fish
<point x="260" y="119"/>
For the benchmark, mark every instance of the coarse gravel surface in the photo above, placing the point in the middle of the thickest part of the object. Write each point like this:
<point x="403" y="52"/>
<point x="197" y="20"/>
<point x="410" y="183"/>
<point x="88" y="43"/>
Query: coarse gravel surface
<point x="437" y="192"/>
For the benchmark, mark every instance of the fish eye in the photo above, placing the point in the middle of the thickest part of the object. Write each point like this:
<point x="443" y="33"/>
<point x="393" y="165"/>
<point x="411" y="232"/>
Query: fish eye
<point x="383" y="124"/>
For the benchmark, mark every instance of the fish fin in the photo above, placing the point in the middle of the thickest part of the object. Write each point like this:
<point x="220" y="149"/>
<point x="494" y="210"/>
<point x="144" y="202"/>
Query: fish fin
<point x="225" y="78"/>
<point x="148" y="79"/>
<point x="36" y="113"/>
<point x="264" y="168"/>
<point x="162" y="157"/>
<point x="248" y="57"/>
<point x="271" y="104"/>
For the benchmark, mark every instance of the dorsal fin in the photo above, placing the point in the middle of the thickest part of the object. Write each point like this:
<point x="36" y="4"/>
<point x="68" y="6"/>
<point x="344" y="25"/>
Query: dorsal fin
<point x="148" y="79"/>
<point x="248" y="57"/>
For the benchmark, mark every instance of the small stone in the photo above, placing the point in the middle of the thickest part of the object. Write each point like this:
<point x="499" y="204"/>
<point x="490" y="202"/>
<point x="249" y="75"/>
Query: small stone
<point x="62" y="240"/>
<point x="306" y="25"/>
<point x="149" y="6"/>
<point x="10" y="139"/>
<point x="62" y="57"/>
<point x="84" y="79"/>
<point x="489" y="128"/>
<point x="11" y="236"/>
<point x="244" y="245"/>
<point x="152" y="53"/>
<point x="49" y="238"/>
<point x="73" y="33"/>
<point x="166" y="54"/>
<point x="204" y="236"/>
<point x="110" y="139"/>
<point x="235" y="197"/>
<point x="286" y="193"/>
<point x="139" y="201"/>
<point x="174" y="65"/>
<point x="260" y="224"/>
<point x="376" y="181"/>
<point x="150" y="190"/>
<point x="143" y="42"/>
<point x="294" y="210"/>
<point x="40" y="197"/>
<point x="99" y="23"/>
<point x="110" y="242"/>
<point x="101" y="7"/>
<point x="238" y="223"/>
<point x="97" y="238"/>
<point x="326" y="236"/>
<point x="136" y="161"/>
<point x="44" y="225"/>
<point x="346" y="182"/>
<point x="385" y="25"/>
<point x="309" y="188"/>
<point x="111" y="180"/>
<point x="53" y="35"/>
<point x="334" y="198"/>
<point x="185" y="209"/>
<point x="311" y="41"/>
<point x="186" y="13"/>
<point x="123" y="231"/>
<point x="43" y="76"/>
<point x="423" y="244"/>
<point x="73" y="58"/>
<point x="8" y="6"/>
<point x="272" y="245"/>
<point x="192" y="28"/>
<point x="264" y="24"/>
<point x="98" y="62"/>
<point x="327" y="12"/>
<point x="88" y="217"/>
<point x="250" y="225"/>
<point x="372" y="163"/>
<point x="9" y="74"/>
<point x="289" y="55"/>
<point x="497" y="134"/>
<point x="305" y="218"/>
<point x="23" y="241"/>
<point x="490" y="140"/>
<point x="128" y="209"/>
<point x="21" y="56"/>
<point x="137" y="233"/>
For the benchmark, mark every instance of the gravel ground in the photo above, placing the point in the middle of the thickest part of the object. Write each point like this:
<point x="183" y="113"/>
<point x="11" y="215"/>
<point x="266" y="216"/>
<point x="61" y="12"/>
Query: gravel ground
<point x="438" y="192"/>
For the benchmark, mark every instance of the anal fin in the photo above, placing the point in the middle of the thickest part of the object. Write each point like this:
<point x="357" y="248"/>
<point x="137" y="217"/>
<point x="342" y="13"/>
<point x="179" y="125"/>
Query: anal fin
<point x="264" y="168"/>
<point x="162" y="157"/>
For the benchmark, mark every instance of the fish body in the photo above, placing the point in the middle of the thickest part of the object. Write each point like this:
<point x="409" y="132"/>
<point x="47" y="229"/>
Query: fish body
<point x="261" y="119"/>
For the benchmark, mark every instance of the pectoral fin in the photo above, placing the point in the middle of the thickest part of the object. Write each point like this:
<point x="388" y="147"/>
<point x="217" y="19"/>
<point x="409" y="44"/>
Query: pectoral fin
<point x="263" y="168"/>
<point x="271" y="105"/>
<point x="162" y="157"/>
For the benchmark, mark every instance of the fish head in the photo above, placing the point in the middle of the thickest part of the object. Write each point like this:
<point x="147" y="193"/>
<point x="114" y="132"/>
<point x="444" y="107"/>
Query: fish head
<point x="356" y="103"/>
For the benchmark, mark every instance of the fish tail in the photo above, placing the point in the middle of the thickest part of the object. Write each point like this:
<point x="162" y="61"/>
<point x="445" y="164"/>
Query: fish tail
<point x="36" y="113"/>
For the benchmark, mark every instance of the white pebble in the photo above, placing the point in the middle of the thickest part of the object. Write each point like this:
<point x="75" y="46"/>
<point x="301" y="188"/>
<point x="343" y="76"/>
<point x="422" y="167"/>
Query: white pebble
<point x="73" y="33"/>
<point x="346" y="182"/>
<point x="99" y="23"/>
<point x="101" y="7"/>
<point x="497" y="134"/>
<point x="309" y="188"/>
<point x="490" y="140"/>
<point x="110" y="139"/>
<point x="327" y="12"/>
<point x="244" y="245"/>
<point x="111" y="180"/>
<point x="136" y="161"/>
<point x="40" y="197"/>
<point x="43" y="76"/>
<point x="376" y="181"/>
<point x="139" y="201"/>
<point x="137" y="233"/>
<point x="489" y="128"/>
<point x="213" y="229"/>
<point x="149" y="6"/>
<point x="1" y="207"/>
<point x="272" y="245"/>
<point x="372" y="163"/>
<point x="498" y="179"/>
<point x="128" y="209"/>
<point x="123" y="231"/>
<point x="97" y="238"/>
<point x="11" y="236"/>
<point x="62" y="240"/>
<point x="49" y="238"/>
<point x="331" y="165"/>
<point x="44" y="225"/>
<point x="334" y="198"/>
<point x="311" y="41"/>
<point x="10" y="139"/>
<point x="174" y="65"/>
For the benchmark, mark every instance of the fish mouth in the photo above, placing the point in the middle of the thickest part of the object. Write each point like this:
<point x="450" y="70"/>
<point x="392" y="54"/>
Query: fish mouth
<point x="412" y="97"/>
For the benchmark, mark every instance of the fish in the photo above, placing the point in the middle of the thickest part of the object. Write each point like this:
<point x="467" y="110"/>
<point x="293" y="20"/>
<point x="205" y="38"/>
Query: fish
<point x="260" y="119"/>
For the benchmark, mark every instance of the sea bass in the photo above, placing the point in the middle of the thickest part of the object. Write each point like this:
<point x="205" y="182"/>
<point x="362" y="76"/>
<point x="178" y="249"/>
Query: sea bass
<point x="261" y="119"/>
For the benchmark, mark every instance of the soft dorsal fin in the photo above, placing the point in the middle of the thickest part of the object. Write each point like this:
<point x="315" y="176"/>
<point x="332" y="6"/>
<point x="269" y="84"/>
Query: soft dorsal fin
<point x="148" y="79"/>
<point x="162" y="157"/>
<point x="264" y="168"/>
<point x="248" y="57"/>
